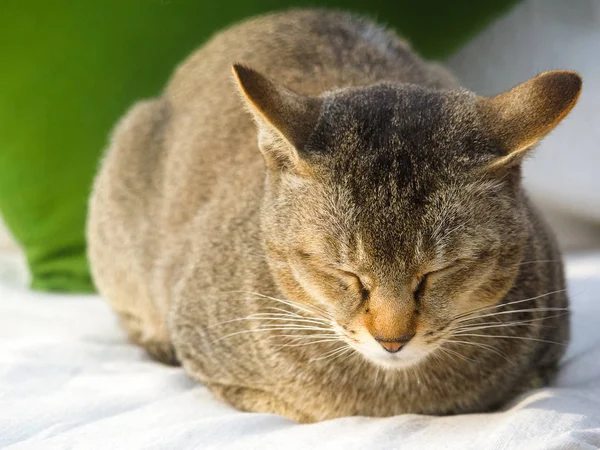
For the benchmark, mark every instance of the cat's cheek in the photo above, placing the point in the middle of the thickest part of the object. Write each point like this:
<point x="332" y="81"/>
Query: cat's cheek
<point x="329" y="291"/>
<point x="317" y="289"/>
<point x="463" y="291"/>
<point x="308" y="284"/>
<point x="484" y="290"/>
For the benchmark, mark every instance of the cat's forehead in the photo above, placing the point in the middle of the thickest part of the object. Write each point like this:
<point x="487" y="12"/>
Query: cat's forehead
<point x="398" y="127"/>
<point x="403" y="158"/>
<point x="386" y="112"/>
<point x="396" y="144"/>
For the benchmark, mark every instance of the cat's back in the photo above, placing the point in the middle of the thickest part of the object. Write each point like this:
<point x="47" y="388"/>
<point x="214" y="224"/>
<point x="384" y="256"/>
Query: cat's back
<point x="307" y="50"/>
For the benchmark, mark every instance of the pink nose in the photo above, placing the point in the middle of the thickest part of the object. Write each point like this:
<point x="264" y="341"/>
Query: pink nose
<point x="394" y="345"/>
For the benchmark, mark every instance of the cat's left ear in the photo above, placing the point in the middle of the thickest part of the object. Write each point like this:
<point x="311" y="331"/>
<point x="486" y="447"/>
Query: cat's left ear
<point x="285" y="118"/>
<point x="520" y="117"/>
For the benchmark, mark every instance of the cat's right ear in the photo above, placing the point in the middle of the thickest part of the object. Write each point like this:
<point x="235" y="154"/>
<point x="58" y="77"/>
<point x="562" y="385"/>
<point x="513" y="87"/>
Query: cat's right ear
<point x="285" y="118"/>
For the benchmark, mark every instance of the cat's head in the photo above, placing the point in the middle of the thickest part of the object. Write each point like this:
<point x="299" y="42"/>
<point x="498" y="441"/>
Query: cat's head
<point x="395" y="208"/>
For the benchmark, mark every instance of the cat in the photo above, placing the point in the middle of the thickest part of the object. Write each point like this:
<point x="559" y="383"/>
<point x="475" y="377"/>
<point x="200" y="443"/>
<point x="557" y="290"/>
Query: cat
<point x="335" y="229"/>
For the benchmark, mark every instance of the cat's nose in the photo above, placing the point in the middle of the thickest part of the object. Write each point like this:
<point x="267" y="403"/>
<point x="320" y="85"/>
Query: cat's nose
<point x="394" y="345"/>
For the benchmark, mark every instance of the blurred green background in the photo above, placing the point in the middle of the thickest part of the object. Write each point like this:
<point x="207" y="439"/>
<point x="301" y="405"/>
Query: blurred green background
<point x="70" y="68"/>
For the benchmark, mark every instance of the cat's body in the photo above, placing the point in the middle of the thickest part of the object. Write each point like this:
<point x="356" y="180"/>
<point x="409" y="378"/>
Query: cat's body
<point x="182" y="213"/>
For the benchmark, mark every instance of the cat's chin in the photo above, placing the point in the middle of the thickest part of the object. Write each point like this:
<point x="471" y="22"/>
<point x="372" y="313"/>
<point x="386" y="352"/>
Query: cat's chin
<point x="408" y="357"/>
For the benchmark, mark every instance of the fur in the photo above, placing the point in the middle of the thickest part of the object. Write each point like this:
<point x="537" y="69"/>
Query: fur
<point x="382" y="208"/>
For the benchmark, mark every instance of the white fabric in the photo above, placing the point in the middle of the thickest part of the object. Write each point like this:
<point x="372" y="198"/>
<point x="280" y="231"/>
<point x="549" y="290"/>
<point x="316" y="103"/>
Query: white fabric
<point x="535" y="36"/>
<point x="69" y="379"/>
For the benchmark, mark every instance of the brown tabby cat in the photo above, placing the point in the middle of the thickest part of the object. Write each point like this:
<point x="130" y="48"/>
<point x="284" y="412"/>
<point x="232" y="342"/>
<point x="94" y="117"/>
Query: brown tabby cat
<point x="377" y="256"/>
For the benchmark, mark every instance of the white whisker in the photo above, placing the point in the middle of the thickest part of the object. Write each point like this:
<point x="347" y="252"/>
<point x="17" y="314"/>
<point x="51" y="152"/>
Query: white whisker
<point x="332" y="339"/>
<point x="270" y="317"/>
<point x="524" y="338"/>
<point x="481" y="345"/>
<point x="352" y="353"/>
<point x="307" y="336"/>
<point x="256" y="330"/>
<point x="508" y="324"/>
<point x="540" y="261"/>
<point x="455" y="353"/>
<point x="348" y="352"/>
<point x="296" y="326"/>
<point x="514" y="311"/>
<point x="315" y="310"/>
<point x="502" y="305"/>
<point x="335" y="352"/>
<point x="284" y="311"/>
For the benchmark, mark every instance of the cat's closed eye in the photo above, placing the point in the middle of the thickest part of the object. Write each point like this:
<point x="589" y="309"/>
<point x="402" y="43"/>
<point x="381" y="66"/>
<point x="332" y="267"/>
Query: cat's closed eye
<point x="420" y="289"/>
<point x="423" y="279"/>
<point x="332" y="274"/>
<point x="356" y="281"/>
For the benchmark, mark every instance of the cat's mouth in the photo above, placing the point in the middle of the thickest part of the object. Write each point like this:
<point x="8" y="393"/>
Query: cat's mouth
<point x="402" y="360"/>
<point x="408" y="356"/>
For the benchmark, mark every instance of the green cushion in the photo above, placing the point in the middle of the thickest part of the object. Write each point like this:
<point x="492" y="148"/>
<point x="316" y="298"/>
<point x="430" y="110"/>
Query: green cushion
<point x="71" y="68"/>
